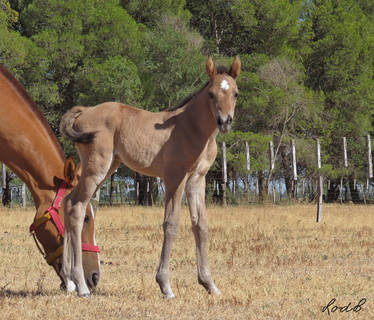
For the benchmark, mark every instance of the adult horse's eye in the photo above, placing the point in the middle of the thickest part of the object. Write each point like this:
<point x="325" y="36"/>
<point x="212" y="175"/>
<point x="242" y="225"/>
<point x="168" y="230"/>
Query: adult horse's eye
<point x="211" y="95"/>
<point x="86" y="219"/>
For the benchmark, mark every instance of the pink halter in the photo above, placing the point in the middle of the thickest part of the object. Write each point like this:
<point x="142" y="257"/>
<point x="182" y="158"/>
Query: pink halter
<point x="52" y="214"/>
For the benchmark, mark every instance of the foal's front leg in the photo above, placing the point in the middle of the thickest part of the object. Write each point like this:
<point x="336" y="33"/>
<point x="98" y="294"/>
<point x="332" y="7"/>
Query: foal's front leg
<point x="170" y="226"/>
<point x="195" y="191"/>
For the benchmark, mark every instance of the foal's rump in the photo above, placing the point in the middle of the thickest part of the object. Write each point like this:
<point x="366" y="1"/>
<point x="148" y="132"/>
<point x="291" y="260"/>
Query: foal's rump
<point x="67" y="126"/>
<point x="81" y="124"/>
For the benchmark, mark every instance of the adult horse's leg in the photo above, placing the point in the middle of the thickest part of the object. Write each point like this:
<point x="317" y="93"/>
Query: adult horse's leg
<point x="195" y="191"/>
<point x="174" y="190"/>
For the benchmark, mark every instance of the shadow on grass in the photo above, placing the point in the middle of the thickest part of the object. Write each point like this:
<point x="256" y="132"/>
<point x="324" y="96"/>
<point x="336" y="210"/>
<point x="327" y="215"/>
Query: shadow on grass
<point x="7" y="293"/>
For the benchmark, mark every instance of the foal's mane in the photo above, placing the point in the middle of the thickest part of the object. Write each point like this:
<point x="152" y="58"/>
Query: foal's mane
<point x="220" y="70"/>
<point x="33" y="107"/>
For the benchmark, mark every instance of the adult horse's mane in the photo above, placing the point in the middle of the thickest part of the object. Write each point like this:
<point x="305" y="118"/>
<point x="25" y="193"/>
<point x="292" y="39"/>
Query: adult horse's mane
<point x="220" y="70"/>
<point x="32" y="105"/>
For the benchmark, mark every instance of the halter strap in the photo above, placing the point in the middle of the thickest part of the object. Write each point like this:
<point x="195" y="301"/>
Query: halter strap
<point x="52" y="214"/>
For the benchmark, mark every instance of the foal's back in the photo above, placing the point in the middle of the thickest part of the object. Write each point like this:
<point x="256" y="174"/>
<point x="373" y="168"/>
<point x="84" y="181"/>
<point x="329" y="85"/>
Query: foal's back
<point x="143" y="140"/>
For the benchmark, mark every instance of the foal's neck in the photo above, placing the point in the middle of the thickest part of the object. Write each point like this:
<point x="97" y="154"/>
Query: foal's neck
<point x="200" y="116"/>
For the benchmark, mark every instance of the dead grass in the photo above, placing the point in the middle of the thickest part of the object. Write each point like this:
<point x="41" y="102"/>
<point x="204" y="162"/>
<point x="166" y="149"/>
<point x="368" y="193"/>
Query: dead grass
<point x="269" y="262"/>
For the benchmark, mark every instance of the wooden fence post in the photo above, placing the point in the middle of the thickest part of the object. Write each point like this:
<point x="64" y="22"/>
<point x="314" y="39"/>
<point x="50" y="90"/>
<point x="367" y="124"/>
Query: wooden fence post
<point x="271" y="167"/>
<point x="370" y="162"/>
<point x="4" y="176"/>
<point x="247" y="158"/>
<point x="248" y="166"/>
<point x="95" y="200"/>
<point x="294" y="169"/>
<point x="345" y="164"/>
<point x="320" y="183"/>
<point x="224" y="173"/>
<point x="345" y="157"/>
<point x="23" y="195"/>
<point x="271" y="155"/>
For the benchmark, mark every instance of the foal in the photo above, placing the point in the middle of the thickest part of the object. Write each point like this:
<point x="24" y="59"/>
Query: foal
<point x="178" y="146"/>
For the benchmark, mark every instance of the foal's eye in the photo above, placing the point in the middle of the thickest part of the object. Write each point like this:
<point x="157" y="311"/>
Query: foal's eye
<point x="211" y="95"/>
<point x="236" y="95"/>
<point x="86" y="219"/>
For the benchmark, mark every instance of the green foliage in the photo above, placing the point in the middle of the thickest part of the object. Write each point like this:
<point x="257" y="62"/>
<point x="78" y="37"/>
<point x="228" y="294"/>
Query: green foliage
<point x="340" y="63"/>
<point x="307" y="66"/>
<point x="235" y="151"/>
<point x="152" y="12"/>
<point x="117" y="78"/>
<point x="8" y="16"/>
<point x="241" y="27"/>
<point x="174" y="65"/>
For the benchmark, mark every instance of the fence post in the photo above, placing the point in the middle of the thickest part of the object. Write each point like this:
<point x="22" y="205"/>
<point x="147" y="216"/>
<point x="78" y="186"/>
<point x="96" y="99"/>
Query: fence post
<point x="247" y="158"/>
<point x="345" y="157"/>
<point x="294" y="169"/>
<point x="23" y="195"/>
<point x="320" y="183"/>
<point x="4" y="176"/>
<point x="248" y="166"/>
<point x="95" y="200"/>
<point x="271" y="159"/>
<point x="224" y="173"/>
<point x="370" y="163"/>
<point x="271" y="155"/>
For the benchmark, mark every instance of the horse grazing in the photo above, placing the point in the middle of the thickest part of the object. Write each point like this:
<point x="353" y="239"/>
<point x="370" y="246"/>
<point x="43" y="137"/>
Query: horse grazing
<point x="30" y="149"/>
<point x="177" y="145"/>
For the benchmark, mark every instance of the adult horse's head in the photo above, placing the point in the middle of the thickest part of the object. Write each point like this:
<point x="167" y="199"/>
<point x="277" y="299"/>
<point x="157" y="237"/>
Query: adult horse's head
<point x="49" y="230"/>
<point x="223" y="92"/>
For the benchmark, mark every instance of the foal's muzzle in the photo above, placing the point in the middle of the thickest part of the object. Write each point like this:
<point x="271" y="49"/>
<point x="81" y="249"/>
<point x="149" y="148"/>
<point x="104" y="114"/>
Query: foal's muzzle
<point x="224" y="123"/>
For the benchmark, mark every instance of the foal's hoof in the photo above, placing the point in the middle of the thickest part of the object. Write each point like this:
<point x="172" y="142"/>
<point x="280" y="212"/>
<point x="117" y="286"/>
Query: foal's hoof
<point x="214" y="291"/>
<point x="84" y="295"/>
<point x="169" y="296"/>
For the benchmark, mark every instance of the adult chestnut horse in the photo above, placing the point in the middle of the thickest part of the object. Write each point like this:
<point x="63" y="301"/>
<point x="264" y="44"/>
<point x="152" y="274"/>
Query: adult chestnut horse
<point x="30" y="149"/>
<point x="178" y="145"/>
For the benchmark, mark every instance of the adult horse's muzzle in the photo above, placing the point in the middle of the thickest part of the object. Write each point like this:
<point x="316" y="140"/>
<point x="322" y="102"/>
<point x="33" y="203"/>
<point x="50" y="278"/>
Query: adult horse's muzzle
<point x="224" y="123"/>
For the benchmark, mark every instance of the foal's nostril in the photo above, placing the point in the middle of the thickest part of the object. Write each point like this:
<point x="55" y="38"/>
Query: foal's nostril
<point x="95" y="278"/>
<point x="229" y="119"/>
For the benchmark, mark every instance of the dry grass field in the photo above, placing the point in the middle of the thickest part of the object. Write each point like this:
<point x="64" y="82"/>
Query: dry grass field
<point x="270" y="262"/>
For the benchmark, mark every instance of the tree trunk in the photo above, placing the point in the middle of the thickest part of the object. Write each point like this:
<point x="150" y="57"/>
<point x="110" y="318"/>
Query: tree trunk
<point x="148" y="190"/>
<point x="7" y="195"/>
<point x="111" y="189"/>
<point x="286" y="169"/>
<point x="262" y="187"/>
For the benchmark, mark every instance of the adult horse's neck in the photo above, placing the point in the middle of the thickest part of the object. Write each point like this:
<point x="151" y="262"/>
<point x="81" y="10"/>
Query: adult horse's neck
<point x="27" y="144"/>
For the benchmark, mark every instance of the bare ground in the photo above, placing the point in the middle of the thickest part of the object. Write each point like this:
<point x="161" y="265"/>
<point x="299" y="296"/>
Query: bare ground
<point x="270" y="262"/>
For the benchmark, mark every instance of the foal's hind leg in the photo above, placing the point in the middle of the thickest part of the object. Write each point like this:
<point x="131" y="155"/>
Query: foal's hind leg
<point x="75" y="204"/>
<point x="93" y="173"/>
<point x="174" y="189"/>
<point x="195" y="191"/>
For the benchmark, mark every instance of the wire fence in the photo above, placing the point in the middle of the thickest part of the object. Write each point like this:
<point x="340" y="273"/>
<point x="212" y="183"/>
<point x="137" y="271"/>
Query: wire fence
<point x="228" y="187"/>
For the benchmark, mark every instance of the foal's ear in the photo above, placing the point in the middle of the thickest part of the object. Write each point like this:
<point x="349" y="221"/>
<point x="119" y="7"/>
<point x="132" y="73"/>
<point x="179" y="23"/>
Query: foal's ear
<point x="235" y="68"/>
<point x="210" y="67"/>
<point x="70" y="172"/>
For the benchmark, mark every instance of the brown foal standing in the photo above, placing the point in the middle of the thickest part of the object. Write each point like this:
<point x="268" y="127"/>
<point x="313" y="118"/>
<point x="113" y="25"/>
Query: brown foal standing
<point x="177" y="145"/>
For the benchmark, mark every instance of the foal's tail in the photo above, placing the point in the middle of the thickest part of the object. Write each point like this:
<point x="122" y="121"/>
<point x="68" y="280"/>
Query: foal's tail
<point x="67" y="127"/>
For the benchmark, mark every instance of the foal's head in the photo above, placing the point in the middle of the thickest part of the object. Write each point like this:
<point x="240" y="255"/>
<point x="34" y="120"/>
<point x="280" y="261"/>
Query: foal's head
<point x="223" y="93"/>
